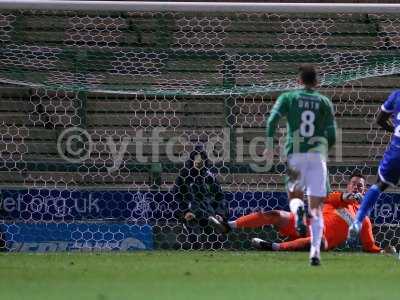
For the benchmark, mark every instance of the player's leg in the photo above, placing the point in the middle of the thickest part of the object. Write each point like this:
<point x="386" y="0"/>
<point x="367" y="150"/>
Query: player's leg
<point x="254" y="220"/>
<point x="316" y="178"/>
<point x="286" y="227"/>
<point x="367" y="204"/>
<point x="316" y="227"/>
<point x="299" y="244"/>
<point x="294" y="245"/>
<point x="371" y="197"/>
<point x="289" y="230"/>
<point x="297" y="208"/>
<point x="388" y="174"/>
<point x="295" y="189"/>
<point x="276" y="218"/>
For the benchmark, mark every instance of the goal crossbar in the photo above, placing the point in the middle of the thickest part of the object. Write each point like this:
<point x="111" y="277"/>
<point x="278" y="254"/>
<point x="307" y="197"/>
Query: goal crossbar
<point x="200" y="6"/>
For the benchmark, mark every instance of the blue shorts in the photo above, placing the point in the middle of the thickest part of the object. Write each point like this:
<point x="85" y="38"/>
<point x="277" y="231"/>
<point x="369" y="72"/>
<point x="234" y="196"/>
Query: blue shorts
<point x="389" y="168"/>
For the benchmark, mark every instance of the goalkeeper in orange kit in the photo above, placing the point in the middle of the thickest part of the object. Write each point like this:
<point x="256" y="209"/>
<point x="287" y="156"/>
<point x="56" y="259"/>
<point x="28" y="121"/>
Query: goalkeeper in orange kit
<point x="339" y="211"/>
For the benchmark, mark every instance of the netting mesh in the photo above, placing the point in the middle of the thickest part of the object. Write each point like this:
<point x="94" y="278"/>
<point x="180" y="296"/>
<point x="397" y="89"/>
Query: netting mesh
<point x="101" y="111"/>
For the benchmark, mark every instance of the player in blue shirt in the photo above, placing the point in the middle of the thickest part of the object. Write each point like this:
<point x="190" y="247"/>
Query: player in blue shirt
<point x="389" y="167"/>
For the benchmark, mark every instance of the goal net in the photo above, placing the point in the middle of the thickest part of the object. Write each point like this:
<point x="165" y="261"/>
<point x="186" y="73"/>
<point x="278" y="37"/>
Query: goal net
<point x="104" y="107"/>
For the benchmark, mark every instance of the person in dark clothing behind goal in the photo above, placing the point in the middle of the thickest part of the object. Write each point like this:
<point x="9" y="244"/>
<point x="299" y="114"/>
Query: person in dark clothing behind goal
<point x="199" y="194"/>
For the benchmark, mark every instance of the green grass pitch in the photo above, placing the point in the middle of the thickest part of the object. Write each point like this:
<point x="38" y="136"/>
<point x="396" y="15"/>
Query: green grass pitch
<point x="179" y="275"/>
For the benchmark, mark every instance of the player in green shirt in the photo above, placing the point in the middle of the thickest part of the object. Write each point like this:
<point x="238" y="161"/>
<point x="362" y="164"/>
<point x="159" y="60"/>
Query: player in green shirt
<point x="311" y="132"/>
